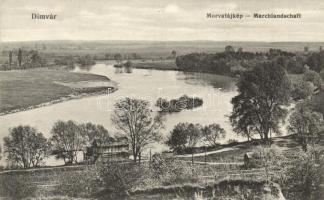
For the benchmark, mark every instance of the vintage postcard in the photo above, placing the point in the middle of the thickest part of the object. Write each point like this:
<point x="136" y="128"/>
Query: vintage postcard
<point x="143" y="99"/>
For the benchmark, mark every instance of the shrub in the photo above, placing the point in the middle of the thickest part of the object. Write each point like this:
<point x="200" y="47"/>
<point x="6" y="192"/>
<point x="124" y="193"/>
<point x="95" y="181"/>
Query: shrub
<point x="172" y="171"/>
<point x="301" y="179"/>
<point x="79" y="184"/>
<point x="118" y="178"/>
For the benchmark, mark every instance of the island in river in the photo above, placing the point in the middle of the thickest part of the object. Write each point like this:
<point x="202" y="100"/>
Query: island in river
<point x="27" y="89"/>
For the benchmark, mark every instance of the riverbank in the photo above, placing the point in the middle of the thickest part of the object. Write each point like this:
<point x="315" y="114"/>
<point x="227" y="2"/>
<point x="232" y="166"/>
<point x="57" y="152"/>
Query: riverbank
<point x="23" y="90"/>
<point x="156" y="64"/>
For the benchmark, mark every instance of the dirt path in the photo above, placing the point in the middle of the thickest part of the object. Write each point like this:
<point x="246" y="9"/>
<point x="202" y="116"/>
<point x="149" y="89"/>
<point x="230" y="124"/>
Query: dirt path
<point x="207" y="153"/>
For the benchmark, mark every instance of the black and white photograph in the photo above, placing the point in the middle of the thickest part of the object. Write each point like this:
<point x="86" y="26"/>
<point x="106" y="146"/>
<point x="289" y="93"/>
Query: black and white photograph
<point x="161" y="100"/>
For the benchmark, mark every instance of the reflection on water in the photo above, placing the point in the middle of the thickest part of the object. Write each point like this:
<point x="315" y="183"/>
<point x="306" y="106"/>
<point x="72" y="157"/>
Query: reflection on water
<point x="141" y="83"/>
<point x="221" y="82"/>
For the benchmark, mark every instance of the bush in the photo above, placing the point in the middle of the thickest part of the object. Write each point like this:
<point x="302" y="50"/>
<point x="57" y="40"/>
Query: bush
<point x="171" y="171"/>
<point x="118" y="178"/>
<point x="301" y="179"/>
<point x="79" y="184"/>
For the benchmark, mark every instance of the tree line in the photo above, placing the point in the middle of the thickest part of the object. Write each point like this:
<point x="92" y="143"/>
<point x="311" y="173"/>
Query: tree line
<point x="71" y="61"/>
<point x="27" y="147"/>
<point x="233" y="62"/>
<point x="23" y="59"/>
<point x="185" y="136"/>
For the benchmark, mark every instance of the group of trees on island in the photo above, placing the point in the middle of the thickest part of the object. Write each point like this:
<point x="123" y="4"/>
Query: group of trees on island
<point x="121" y="66"/>
<point x="176" y="105"/>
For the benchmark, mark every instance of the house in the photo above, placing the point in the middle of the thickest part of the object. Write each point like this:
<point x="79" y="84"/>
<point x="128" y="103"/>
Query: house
<point x="108" y="152"/>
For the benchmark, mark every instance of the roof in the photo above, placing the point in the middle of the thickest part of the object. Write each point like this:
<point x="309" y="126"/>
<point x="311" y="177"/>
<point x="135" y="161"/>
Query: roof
<point x="113" y="144"/>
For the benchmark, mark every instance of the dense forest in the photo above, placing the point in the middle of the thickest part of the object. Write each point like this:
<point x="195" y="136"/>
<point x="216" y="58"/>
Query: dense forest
<point x="233" y="62"/>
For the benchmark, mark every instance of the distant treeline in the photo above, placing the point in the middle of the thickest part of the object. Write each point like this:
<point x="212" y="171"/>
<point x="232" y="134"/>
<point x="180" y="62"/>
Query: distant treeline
<point x="23" y="59"/>
<point x="86" y="60"/>
<point x="233" y="62"/>
<point x="176" y="105"/>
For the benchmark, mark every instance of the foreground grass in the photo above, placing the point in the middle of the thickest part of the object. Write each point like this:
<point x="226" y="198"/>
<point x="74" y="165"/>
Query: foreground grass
<point x="25" y="88"/>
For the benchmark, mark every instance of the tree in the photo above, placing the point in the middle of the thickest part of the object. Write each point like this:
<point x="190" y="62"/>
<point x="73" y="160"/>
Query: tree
<point x="229" y="49"/>
<point x="128" y="66"/>
<point x="10" y="58"/>
<point x="174" y="54"/>
<point x="302" y="90"/>
<point x="193" y="132"/>
<point x="178" y="138"/>
<point x="67" y="140"/>
<point x="243" y="122"/>
<point x="26" y="147"/>
<point x="118" y="57"/>
<point x="85" y="61"/>
<point x="307" y="125"/>
<point x="316" y="61"/>
<point x="136" y="120"/>
<point x="93" y="132"/>
<point x="212" y="133"/>
<point x="313" y="77"/>
<point x="259" y="106"/>
<point x="20" y="57"/>
<point x="0" y="152"/>
<point x="184" y="135"/>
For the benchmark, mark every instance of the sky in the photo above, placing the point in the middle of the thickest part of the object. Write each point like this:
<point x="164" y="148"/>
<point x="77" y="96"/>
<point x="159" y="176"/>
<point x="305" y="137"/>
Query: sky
<point x="161" y="20"/>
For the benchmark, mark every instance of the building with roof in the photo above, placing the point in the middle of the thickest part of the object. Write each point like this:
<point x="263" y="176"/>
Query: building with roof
<point x="111" y="152"/>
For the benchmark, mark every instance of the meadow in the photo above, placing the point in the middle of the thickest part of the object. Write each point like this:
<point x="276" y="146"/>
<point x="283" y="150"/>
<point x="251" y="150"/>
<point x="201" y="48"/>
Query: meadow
<point x="25" y="88"/>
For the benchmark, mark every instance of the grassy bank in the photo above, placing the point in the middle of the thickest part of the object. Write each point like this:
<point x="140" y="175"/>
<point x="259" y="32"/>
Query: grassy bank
<point x="25" y="89"/>
<point x="156" y="64"/>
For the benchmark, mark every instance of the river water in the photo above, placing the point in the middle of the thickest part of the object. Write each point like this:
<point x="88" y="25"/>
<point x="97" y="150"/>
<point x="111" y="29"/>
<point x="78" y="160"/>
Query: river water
<point x="216" y="92"/>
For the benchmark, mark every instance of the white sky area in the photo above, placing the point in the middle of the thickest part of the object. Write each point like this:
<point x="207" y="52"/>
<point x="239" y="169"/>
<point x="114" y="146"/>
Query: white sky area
<point x="159" y="20"/>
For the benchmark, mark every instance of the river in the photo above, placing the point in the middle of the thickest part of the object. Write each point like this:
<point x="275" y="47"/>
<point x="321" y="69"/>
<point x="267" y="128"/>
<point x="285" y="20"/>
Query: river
<point x="216" y="92"/>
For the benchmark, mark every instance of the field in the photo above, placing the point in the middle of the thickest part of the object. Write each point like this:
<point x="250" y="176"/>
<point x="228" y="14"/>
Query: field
<point x="25" y="88"/>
